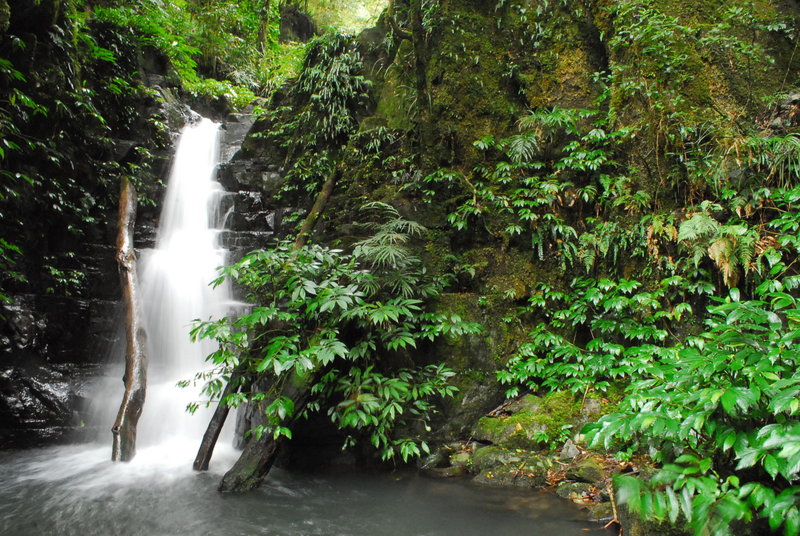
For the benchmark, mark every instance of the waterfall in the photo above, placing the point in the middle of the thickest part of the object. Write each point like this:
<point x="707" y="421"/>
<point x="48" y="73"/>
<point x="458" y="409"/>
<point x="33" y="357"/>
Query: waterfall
<point x="174" y="278"/>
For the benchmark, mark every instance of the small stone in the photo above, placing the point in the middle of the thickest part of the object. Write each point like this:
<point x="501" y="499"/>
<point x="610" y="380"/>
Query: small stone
<point x="589" y="470"/>
<point x="569" y="451"/>
<point x="574" y="490"/>
<point x="460" y="459"/>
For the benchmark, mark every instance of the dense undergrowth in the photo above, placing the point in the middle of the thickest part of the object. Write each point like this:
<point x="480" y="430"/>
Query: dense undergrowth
<point x="644" y="156"/>
<point x="688" y="286"/>
<point x="71" y="74"/>
<point x="341" y="325"/>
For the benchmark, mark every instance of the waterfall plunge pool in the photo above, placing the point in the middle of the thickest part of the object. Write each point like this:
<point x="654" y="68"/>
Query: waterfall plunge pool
<point x="67" y="491"/>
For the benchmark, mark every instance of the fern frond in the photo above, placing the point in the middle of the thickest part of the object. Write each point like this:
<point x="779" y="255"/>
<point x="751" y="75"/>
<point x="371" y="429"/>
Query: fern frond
<point x="523" y="147"/>
<point x="723" y="252"/>
<point x="698" y="226"/>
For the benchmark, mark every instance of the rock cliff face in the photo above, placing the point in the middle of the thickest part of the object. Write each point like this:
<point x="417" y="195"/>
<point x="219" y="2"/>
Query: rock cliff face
<point x="652" y="67"/>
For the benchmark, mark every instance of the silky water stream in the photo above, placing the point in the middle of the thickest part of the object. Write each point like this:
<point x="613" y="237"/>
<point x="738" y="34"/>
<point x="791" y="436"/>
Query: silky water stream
<point x="77" y="490"/>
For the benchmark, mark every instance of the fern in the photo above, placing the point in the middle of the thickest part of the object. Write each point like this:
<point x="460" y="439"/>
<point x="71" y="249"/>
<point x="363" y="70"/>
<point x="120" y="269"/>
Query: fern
<point x="698" y="226"/>
<point x="387" y="250"/>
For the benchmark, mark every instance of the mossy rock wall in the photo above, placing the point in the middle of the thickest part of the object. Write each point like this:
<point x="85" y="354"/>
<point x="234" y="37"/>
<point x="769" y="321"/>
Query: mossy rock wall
<point x="490" y="63"/>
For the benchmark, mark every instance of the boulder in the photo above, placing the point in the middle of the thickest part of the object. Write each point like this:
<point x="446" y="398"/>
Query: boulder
<point x="529" y="422"/>
<point x="491" y="457"/>
<point x="531" y="472"/>
<point x="461" y="459"/>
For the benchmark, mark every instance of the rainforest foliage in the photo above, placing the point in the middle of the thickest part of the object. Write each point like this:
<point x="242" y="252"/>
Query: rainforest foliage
<point x="343" y="324"/>
<point x="685" y="263"/>
<point x="644" y="156"/>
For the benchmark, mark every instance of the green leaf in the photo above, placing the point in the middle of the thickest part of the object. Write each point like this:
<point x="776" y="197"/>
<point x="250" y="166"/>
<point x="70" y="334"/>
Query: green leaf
<point x="792" y="522"/>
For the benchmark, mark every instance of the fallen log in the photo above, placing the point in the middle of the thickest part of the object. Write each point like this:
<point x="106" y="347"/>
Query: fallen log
<point x="135" y="378"/>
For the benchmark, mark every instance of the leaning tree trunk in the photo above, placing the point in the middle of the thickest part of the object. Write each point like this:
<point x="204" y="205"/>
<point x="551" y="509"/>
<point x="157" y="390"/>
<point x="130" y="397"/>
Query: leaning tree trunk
<point x="319" y="205"/>
<point x="258" y="455"/>
<point x="124" y="430"/>
<point x="211" y="436"/>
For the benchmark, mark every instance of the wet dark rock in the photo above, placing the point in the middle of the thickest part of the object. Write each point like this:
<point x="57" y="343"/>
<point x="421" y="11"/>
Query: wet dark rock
<point x="491" y="457"/>
<point x="633" y="525"/>
<point x="40" y="404"/>
<point x="244" y="241"/>
<point x="295" y="25"/>
<point x="169" y="107"/>
<point x="234" y="131"/>
<point x="785" y="115"/>
<point x="601" y="513"/>
<point x="250" y="174"/>
<point x="447" y="472"/>
<point x="461" y="459"/>
<point x="24" y="327"/>
<point x="438" y="459"/>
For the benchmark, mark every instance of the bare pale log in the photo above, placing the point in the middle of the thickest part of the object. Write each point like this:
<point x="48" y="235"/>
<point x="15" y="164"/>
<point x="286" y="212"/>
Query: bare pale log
<point x="135" y="379"/>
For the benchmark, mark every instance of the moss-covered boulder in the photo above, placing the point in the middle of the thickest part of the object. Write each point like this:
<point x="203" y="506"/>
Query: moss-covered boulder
<point x="534" y="422"/>
<point x="575" y="490"/>
<point x="530" y="472"/>
<point x="492" y="457"/>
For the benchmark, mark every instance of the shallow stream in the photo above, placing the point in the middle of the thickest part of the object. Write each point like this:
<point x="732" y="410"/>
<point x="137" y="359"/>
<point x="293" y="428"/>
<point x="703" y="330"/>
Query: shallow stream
<point x="75" y="491"/>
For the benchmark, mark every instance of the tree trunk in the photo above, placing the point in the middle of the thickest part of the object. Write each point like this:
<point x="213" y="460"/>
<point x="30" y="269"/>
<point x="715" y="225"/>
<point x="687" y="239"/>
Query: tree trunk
<point x="206" y="449"/>
<point x="259" y="454"/>
<point x="263" y="27"/>
<point x="124" y="430"/>
<point x="417" y="34"/>
<point x="316" y="210"/>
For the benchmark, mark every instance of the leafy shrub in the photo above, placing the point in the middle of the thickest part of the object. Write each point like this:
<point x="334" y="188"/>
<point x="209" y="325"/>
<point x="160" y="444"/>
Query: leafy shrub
<point x="336" y="322"/>
<point x="721" y="414"/>
<point x="599" y="331"/>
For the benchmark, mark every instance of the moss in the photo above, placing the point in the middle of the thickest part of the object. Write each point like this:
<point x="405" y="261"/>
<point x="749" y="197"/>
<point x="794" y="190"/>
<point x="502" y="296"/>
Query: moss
<point x="491" y="457"/>
<point x="538" y="421"/>
<point x="396" y="99"/>
<point x="530" y="471"/>
<point x="534" y="426"/>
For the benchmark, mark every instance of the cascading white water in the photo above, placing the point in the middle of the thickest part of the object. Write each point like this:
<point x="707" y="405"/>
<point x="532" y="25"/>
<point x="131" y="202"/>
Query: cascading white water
<point x="175" y="290"/>
<point x="174" y="283"/>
